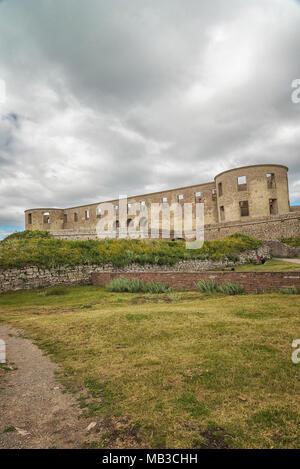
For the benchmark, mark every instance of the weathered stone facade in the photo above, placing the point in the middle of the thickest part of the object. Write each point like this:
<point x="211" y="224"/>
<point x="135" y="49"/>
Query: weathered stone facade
<point x="253" y="200"/>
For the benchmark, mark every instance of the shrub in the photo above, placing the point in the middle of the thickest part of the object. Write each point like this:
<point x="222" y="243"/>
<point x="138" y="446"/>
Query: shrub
<point x="136" y="286"/>
<point x="289" y="291"/>
<point x="207" y="286"/>
<point x="294" y="242"/>
<point x="229" y="288"/>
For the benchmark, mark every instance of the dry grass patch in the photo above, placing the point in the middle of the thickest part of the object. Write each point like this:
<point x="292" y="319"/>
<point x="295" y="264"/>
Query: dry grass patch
<point x="184" y="373"/>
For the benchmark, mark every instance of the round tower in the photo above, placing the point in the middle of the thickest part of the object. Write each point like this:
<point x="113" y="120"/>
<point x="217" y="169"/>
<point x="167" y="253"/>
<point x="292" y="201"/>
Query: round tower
<point x="44" y="219"/>
<point x="251" y="192"/>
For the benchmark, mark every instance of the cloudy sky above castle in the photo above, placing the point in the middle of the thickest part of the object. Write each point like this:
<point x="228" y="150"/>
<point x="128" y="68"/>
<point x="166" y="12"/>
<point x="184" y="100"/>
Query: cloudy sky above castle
<point x="126" y="97"/>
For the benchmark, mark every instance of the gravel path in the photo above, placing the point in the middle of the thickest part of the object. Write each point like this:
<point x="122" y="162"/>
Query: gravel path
<point x="34" y="412"/>
<point x="287" y="259"/>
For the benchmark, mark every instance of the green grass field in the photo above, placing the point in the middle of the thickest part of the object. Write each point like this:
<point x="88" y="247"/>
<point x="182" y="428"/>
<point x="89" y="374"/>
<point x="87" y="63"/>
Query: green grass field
<point x="184" y="370"/>
<point x="270" y="265"/>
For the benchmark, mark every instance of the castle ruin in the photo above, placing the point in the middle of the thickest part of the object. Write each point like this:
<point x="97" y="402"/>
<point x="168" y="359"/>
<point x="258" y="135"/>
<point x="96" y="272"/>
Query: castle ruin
<point x="252" y="200"/>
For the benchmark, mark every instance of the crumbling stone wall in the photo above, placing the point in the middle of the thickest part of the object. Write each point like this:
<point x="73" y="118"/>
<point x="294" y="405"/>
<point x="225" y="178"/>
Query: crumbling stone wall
<point x="31" y="277"/>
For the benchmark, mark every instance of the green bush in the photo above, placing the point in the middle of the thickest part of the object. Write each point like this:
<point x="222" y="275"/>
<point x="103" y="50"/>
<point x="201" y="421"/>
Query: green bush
<point x="41" y="249"/>
<point x="207" y="286"/>
<point x="294" y="242"/>
<point x="229" y="288"/>
<point x="135" y="286"/>
<point x="289" y="291"/>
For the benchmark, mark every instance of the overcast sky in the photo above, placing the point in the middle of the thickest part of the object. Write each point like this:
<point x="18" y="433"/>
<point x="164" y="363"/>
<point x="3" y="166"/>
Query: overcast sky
<point x="126" y="97"/>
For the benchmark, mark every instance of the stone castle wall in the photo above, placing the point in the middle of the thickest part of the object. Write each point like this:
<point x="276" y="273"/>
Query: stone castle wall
<point x="253" y="200"/>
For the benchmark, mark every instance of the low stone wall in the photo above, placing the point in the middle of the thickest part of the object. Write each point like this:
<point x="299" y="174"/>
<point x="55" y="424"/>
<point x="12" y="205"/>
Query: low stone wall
<point x="253" y="282"/>
<point x="278" y="249"/>
<point x="31" y="277"/>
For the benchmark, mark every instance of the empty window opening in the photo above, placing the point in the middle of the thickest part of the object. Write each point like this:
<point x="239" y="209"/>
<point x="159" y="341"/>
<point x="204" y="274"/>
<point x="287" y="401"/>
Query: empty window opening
<point x="220" y="189"/>
<point x="271" y="183"/>
<point x="46" y="217"/>
<point x="75" y="216"/>
<point x="128" y="222"/>
<point x="198" y="194"/>
<point x="165" y="200"/>
<point x="29" y="218"/>
<point x="116" y="208"/>
<point x="98" y="212"/>
<point x="65" y="218"/>
<point x="244" y="208"/>
<point x="213" y="194"/>
<point x="116" y="225"/>
<point x="87" y="214"/>
<point x="273" y="206"/>
<point x="242" y="183"/>
<point x="143" y="203"/>
<point x="143" y="223"/>
<point x="222" y="213"/>
<point x="180" y="197"/>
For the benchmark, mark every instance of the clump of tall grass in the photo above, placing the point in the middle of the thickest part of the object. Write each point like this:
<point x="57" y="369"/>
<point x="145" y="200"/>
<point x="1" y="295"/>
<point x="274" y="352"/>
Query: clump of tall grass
<point x="55" y="291"/>
<point x="207" y="286"/>
<point x="229" y="288"/>
<point x="289" y="291"/>
<point x="136" y="286"/>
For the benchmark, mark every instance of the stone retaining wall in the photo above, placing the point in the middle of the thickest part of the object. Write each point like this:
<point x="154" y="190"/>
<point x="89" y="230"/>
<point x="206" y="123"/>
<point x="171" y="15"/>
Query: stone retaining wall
<point x="30" y="277"/>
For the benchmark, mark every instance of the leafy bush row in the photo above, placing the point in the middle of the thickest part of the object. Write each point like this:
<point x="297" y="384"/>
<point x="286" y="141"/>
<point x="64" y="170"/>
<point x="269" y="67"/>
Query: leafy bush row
<point x="41" y="249"/>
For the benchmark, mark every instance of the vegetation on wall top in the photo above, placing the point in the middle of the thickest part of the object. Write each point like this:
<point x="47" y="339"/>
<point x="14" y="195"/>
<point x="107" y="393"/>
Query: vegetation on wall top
<point x="43" y="250"/>
<point x="294" y="242"/>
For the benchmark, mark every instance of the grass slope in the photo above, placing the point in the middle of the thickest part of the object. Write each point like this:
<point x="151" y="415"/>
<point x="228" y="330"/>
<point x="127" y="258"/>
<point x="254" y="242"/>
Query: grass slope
<point x="39" y="248"/>
<point x="185" y="370"/>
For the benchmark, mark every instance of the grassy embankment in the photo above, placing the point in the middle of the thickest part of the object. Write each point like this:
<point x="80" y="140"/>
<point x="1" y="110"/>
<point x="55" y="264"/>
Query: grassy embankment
<point x="39" y="248"/>
<point x="177" y="370"/>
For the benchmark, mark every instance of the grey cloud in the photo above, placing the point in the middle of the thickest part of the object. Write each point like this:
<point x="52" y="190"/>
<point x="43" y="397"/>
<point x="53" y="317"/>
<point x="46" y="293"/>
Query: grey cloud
<point x="108" y="98"/>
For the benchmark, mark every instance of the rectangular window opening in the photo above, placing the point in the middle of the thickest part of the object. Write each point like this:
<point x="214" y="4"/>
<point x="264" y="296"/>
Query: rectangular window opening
<point x="65" y="218"/>
<point x="242" y="183"/>
<point x="222" y="213"/>
<point x="273" y="206"/>
<point x="87" y="214"/>
<point x="29" y="218"/>
<point x="75" y="216"/>
<point x="271" y="183"/>
<point x="46" y="218"/>
<point x="220" y="189"/>
<point x="244" y="208"/>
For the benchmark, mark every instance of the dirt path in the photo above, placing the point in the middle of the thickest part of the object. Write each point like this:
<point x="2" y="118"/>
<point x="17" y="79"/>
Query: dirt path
<point x="34" y="412"/>
<point x="287" y="259"/>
